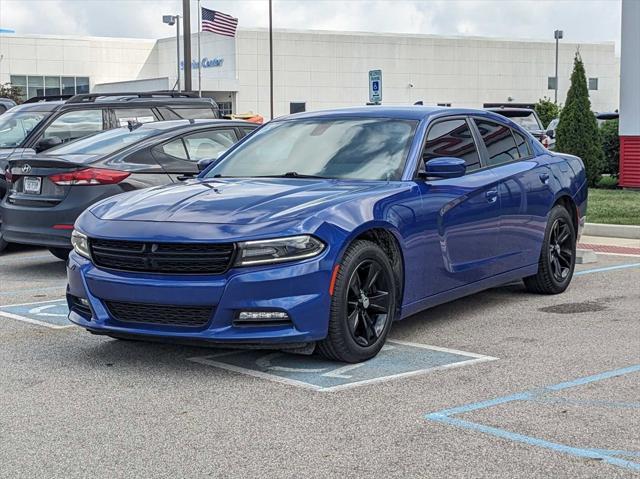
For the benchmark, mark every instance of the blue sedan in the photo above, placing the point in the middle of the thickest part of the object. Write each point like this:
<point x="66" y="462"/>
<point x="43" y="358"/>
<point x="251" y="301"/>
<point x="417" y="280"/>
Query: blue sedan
<point x="321" y="229"/>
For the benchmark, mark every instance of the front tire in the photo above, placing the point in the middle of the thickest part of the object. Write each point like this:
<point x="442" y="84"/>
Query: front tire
<point x="558" y="255"/>
<point x="60" y="253"/>
<point x="363" y="305"/>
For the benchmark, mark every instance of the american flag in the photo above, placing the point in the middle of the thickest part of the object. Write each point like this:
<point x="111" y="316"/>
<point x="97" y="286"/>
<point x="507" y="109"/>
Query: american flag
<point x="217" y="22"/>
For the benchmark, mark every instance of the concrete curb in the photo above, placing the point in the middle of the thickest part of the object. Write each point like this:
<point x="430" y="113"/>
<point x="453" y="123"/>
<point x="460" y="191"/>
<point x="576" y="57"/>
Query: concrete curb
<point x="611" y="231"/>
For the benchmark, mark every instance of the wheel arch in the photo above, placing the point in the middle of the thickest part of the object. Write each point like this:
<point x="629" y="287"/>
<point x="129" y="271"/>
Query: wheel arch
<point x="565" y="200"/>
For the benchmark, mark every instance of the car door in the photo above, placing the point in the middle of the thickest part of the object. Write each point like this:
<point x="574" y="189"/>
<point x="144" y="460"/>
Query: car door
<point x="179" y="156"/>
<point x="459" y="216"/>
<point x="524" y="191"/>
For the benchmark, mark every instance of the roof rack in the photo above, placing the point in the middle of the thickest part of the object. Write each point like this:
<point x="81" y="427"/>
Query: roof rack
<point x="38" y="99"/>
<point x="91" y="97"/>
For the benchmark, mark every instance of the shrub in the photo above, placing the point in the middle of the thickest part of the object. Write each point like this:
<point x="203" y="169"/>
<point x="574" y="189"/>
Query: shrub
<point x="547" y="111"/>
<point x="610" y="146"/>
<point x="12" y="92"/>
<point x="577" y="132"/>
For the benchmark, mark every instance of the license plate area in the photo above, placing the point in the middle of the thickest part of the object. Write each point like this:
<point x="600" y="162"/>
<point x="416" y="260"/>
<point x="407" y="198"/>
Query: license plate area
<point x="32" y="185"/>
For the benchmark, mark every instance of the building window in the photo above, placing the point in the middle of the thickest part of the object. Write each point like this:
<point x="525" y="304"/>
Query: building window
<point x="444" y="104"/>
<point x="225" y="108"/>
<point x="551" y="83"/>
<point x="593" y="83"/>
<point x="38" y="85"/>
<point x="297" y="107"/>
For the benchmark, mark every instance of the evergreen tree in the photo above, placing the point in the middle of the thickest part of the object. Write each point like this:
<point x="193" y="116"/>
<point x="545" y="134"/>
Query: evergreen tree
<point x="577" y="132"/>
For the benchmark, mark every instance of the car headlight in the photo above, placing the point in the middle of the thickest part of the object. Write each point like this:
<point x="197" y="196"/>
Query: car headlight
<point x="278" y="250"/>
<point x="80" y="244"/>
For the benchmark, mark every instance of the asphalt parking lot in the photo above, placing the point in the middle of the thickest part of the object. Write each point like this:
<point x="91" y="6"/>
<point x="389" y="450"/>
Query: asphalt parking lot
<point x="499" y="384"/>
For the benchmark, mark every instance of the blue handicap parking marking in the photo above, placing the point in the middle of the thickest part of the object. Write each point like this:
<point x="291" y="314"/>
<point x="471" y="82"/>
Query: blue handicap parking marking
<point x="52" y="313"/>
<point x="617" y="457"/>
<point x="397" y="359"/>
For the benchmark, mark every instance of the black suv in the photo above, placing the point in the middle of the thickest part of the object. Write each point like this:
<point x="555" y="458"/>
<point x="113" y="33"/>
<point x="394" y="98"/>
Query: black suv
<point x="44" y="122"/>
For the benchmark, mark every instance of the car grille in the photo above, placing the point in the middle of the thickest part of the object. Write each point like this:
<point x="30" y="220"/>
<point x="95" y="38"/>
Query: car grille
<point x="162" y="314"/>
<point x="177" y="258"/>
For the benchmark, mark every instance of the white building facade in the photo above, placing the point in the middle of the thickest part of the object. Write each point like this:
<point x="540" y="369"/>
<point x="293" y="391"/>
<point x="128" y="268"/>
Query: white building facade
<point x="313" y="69"/>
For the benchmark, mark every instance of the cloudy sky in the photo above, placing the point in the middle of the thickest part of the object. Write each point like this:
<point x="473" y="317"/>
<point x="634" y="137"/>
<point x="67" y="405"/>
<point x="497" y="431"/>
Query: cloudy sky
<point x="581" y="20"/>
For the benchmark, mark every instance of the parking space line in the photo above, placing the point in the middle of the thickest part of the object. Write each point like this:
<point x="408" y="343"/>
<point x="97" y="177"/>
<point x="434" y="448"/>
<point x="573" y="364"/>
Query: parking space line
<point x="608" y="268"/>
<point x="446" y="416"/>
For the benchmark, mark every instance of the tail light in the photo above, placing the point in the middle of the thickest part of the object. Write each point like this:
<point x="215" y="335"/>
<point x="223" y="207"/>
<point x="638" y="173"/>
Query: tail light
<point x="545" y="141"/>
<point x="89" y="176"/>
<point x="8" y="176"/>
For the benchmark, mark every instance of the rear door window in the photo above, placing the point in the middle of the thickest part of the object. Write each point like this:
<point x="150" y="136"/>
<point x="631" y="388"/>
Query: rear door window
<point x="522" y="144"/>
<point x="175" y="149"/>
<point x="452" y="138"/>
<point x="209" y="144"/>
<point x="137" y="115"/>
<point x="75" y="124"/>
<point x="499" y="142"/>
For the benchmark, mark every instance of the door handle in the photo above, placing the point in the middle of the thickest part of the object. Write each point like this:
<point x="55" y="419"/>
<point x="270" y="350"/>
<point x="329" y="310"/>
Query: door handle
<point x="492" y="196"/>
<point x="544" y="177"/>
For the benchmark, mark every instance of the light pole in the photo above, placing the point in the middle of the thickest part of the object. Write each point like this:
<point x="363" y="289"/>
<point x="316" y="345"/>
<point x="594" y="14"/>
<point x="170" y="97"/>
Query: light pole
<point x="557" y="35"/>
<point x="175" y="20"/>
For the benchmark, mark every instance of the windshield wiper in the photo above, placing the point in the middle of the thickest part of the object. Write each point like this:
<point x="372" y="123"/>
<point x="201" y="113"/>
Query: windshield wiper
<point x="295" y="174"/>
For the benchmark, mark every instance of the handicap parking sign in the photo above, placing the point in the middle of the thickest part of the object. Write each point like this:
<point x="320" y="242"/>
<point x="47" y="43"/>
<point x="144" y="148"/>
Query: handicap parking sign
<point x="397" y="359"/>
<point x="375" y="86"/>
<point x="52" y="313"/>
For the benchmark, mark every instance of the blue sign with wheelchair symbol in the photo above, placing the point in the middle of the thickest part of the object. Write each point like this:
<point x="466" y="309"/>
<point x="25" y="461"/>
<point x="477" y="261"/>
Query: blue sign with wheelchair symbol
<point x="52" y="314"/>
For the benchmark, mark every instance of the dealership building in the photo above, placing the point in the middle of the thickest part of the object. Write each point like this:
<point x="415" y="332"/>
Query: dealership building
<point x="314" y="69"/>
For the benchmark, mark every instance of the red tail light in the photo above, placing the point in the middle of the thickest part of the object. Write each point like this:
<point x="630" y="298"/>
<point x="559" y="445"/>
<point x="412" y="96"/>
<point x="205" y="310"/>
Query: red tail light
<point x="545" y="141"/>
<point x="90" y="176"/>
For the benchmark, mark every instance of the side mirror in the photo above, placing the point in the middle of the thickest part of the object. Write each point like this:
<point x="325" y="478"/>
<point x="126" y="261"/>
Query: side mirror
<point x="550" y="133"/>
<point x="446" y="167"/>
<point x="204" y="163"/>
<point x="46" y="143"/>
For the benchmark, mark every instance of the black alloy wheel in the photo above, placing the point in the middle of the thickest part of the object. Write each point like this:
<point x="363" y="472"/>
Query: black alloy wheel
<point x="558" y="256"/>
<point x="561" y="250"/>
<point x="367" y="303"/>
<point x="363" y="304"/>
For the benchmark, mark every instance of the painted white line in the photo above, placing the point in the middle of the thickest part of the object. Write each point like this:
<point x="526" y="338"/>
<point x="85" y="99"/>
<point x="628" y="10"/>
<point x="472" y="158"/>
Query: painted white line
<point x="32" y="302"/>
<point x="419" y="372"/>
<point x="441" y="349"/>
<point x="33" y="321"/>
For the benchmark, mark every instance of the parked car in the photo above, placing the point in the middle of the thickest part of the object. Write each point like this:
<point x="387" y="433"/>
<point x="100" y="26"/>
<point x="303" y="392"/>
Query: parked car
<point x="527" y="119"/>
<point x="44" y="122"/>
<point x="6" y="104"/>
<point x="48" y="191"/>
<point x="323" y="228"/>
<point x="551" y="133"/>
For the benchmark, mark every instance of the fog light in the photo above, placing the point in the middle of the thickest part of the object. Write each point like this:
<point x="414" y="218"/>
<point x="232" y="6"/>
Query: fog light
<point x="263" y="316"/>
<point x="84" y="302"/>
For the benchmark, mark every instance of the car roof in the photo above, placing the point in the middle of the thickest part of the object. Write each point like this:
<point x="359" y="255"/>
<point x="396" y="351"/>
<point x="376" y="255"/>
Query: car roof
<point x="511" y="111"/>
<point x="398" y="112"/>
<point x="167" y="125"/>
<point x="40" y="106"/>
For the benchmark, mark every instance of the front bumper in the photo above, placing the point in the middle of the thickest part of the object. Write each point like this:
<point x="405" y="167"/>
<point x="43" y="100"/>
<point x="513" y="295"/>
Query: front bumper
<point x="298" y="288"/>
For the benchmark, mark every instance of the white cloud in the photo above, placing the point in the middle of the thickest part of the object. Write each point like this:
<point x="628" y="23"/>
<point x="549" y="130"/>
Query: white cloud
<point x="581" y="20"/>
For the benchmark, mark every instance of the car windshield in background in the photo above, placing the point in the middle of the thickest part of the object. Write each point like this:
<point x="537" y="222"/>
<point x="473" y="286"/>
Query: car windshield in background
<point x="358" y="148"/>
<point x="528" y="122"/>
<point x="103" y="143"/>
<point x="15" y="126"/>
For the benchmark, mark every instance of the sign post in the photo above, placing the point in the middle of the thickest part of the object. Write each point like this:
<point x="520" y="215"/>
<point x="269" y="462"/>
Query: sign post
<point x="375" y="87"/>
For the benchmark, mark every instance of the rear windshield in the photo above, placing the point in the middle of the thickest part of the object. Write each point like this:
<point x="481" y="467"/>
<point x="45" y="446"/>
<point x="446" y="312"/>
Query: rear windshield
<point x="103" y="143"/>
<point x="528" y="122"/>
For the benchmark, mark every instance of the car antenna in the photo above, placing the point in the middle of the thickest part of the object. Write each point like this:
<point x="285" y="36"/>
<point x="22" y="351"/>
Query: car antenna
<point x="133" y="124"/>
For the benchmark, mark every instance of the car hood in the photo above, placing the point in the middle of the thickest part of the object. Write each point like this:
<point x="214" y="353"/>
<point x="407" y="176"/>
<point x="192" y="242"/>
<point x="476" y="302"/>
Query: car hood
<point x="238" y="201"/>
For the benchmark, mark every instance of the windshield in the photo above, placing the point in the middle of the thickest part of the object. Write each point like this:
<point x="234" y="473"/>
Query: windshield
<point x="528" y="122"/>
<point x="103" y="143"/>
<point x="361" y="148"/>
<point x="15" y="126"/>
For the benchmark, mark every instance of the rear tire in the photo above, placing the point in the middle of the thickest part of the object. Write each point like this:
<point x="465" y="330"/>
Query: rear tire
<point x="60" y="253"/>
<point x="363" y="305"/>
<point x="558" y="255"/>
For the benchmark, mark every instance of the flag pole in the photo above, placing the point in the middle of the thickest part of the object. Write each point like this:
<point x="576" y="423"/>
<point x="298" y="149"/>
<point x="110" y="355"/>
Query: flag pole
<point x="270" y="60"/>
<point x="199" y="56"/>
